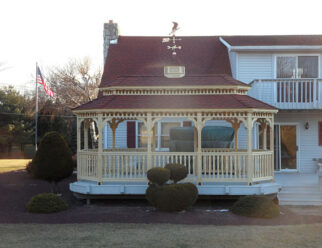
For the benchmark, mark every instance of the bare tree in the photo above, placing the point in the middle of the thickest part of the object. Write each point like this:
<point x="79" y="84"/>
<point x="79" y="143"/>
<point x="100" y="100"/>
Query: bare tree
<point x="74" y="84"/>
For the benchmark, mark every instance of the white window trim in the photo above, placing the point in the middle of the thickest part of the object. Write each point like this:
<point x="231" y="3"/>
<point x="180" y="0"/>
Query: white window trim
<point x="294" y="55"/>
<point x="158" y="147"/>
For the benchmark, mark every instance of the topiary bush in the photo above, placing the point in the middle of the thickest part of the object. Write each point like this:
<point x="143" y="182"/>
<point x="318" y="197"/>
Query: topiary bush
<point x="53" y="160"/>
<point x="177" y="172"/>
<point x="46" y="203"/>
<point x="256" y="206"/>
<point x="175" y="197"/>
<point x="172" y="196"/>
<point x="158" y="175"/>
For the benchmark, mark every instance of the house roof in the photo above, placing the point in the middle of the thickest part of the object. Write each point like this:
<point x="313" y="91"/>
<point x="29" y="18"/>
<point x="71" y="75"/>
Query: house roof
<point x="200" y="80"/>
<point x="137" y="102"/>
<point x="147" y="56"/>
<point x="274" y="40"/>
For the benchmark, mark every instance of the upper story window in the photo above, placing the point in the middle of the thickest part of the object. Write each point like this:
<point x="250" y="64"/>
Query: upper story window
<point x="297" y="66"/>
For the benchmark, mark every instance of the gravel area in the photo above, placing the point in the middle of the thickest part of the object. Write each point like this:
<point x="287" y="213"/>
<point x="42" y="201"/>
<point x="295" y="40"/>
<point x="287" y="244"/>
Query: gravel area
<point x="17" y="187"/>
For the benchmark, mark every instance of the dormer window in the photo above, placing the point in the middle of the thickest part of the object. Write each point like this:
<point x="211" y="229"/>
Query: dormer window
<point x="174" y="71"/>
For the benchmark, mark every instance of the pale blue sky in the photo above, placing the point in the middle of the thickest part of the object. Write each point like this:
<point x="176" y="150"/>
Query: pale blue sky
<point x="50" y="32"/>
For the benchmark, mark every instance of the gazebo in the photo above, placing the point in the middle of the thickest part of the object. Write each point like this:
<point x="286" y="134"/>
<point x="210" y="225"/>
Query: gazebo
<point x="175" y="93"/>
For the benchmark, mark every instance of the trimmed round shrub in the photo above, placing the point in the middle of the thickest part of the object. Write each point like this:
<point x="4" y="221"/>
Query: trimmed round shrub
<point x="158" y="175"/>
<point x="172" y="197"/>
<point x="256" y="206"/>
<point x="53" y="160"/>
<point x="46" y="203"/>
<point x="177" y="172"/>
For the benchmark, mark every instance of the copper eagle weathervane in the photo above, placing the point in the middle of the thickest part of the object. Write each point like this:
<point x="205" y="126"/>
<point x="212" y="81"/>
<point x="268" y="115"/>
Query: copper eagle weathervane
<point x="174" y="47"/>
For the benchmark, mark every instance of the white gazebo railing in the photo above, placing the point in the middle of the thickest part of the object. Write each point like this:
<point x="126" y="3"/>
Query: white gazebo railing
<point x="128" y="166"/>
<point x="289" y="93"/>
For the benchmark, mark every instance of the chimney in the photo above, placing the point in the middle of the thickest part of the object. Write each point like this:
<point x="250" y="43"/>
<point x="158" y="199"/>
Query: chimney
<point x="110" y="36"/>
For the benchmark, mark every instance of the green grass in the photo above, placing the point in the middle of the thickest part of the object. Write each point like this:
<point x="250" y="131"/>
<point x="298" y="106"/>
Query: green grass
<point x="7" y="165"/>
<point x="159" y="235"/>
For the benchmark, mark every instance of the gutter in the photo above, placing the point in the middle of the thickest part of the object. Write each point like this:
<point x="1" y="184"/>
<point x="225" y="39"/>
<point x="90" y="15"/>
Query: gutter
<point x="269" y="48"/>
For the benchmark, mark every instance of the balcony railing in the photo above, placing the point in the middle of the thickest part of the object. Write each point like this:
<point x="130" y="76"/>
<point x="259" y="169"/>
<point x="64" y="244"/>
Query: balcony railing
<point x="289" y="93"/>
<point x="217" y="166"/>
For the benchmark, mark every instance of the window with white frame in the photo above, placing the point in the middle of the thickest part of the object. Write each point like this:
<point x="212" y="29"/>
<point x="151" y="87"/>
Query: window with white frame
<point x="162" y="133"/>
<point x="142" y="135"/>
<point x="299" y="66"/>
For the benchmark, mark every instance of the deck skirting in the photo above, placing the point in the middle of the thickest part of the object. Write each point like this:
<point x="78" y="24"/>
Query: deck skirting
<point x="92" y="189"/>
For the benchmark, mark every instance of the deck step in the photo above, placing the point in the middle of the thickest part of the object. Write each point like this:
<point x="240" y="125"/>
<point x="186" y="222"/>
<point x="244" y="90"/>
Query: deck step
<point x="298" y="202"/>
<point x="300" y="195"/>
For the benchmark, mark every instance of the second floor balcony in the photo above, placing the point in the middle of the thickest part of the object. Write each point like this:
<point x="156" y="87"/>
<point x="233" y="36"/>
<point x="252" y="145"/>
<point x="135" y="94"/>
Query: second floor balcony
<point x="288" y="93"/>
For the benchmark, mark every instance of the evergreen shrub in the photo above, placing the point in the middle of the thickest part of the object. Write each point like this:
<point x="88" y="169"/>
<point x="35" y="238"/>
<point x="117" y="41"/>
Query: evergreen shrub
<point x="53" y="160"/>
<point x="46" y="203"/>
<point x="158" y="175"/>
<point x="170" y="196"/>
<point x="177" y="172"/>
<point x="256" y="206"/>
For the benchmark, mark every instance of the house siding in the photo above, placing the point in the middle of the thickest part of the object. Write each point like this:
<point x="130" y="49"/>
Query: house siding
<point x="254" y="66"/>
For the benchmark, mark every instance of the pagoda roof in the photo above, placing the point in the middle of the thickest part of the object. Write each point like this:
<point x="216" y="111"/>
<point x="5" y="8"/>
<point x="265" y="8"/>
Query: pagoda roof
<point x="174" y="102"/>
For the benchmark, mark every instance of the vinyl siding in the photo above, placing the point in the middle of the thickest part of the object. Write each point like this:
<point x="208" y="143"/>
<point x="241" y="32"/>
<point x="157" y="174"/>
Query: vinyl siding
<point x="254" y="66"/>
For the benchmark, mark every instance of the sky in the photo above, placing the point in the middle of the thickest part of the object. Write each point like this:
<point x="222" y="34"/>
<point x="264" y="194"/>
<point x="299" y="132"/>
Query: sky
<point x="51" y="32"/>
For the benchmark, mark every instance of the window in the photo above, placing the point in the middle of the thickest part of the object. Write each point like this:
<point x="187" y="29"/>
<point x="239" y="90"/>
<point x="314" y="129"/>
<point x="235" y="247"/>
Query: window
<point x="162" y="134"/>
<point x="297" y="66"/>
<point x="320" y="133"/>
<point x="142" y="135"/>
<point x="165" y="132"/>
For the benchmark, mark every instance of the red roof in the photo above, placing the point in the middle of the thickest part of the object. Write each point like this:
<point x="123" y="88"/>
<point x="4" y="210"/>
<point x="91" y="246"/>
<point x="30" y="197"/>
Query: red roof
<point x="200" y="80"/>
<point x="147" y="56"/>
<point x="175" y="102"/>
<point x="274" y="40"/>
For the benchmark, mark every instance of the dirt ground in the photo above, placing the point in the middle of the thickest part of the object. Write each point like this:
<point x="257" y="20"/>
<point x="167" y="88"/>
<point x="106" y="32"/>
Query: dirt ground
<point x="17" y="187"/>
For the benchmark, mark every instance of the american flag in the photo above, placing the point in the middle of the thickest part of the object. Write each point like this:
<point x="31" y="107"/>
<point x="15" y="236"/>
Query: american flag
<point x="40" y="80"/>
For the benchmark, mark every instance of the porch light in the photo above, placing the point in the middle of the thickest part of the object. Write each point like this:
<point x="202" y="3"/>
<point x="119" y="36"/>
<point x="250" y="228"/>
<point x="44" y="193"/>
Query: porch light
<point x="307" y="125"/>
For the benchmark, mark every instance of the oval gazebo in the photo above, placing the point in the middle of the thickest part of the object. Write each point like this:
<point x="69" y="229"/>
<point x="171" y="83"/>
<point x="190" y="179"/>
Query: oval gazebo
<point x="179" y="93"/>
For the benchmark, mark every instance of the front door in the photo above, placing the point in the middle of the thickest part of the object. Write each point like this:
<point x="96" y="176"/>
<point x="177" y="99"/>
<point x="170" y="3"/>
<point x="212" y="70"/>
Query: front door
<point x="285" y="151"/>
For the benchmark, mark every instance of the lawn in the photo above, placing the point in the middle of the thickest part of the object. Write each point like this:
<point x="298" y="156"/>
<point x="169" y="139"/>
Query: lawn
<point x="7" y="165"/>
<point x="158" y="235"/>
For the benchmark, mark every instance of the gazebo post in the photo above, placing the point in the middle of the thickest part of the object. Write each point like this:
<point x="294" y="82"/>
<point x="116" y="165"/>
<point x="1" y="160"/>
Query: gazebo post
<point x="100" y="149"/>
<point x="86" y="125"/>
<point x="235" y="123"/>
<point x="113" y="125"/>
<point x="149" y="128"/>
<point x="79" y="121"/>
<point x="250" y="161"/>
<point x="271" y="141"/>
<point x="264" y="136"/>
<point x="199" y="147"/>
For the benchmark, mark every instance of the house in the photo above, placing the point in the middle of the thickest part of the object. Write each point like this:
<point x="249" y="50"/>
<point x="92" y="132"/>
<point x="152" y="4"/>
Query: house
<point x="265" y="88"/>
<point x="286" y="71"/>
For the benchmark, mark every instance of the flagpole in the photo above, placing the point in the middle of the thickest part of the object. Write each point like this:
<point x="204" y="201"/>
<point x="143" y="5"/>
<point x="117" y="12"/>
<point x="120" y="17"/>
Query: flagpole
<point x="36" y="114"/>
